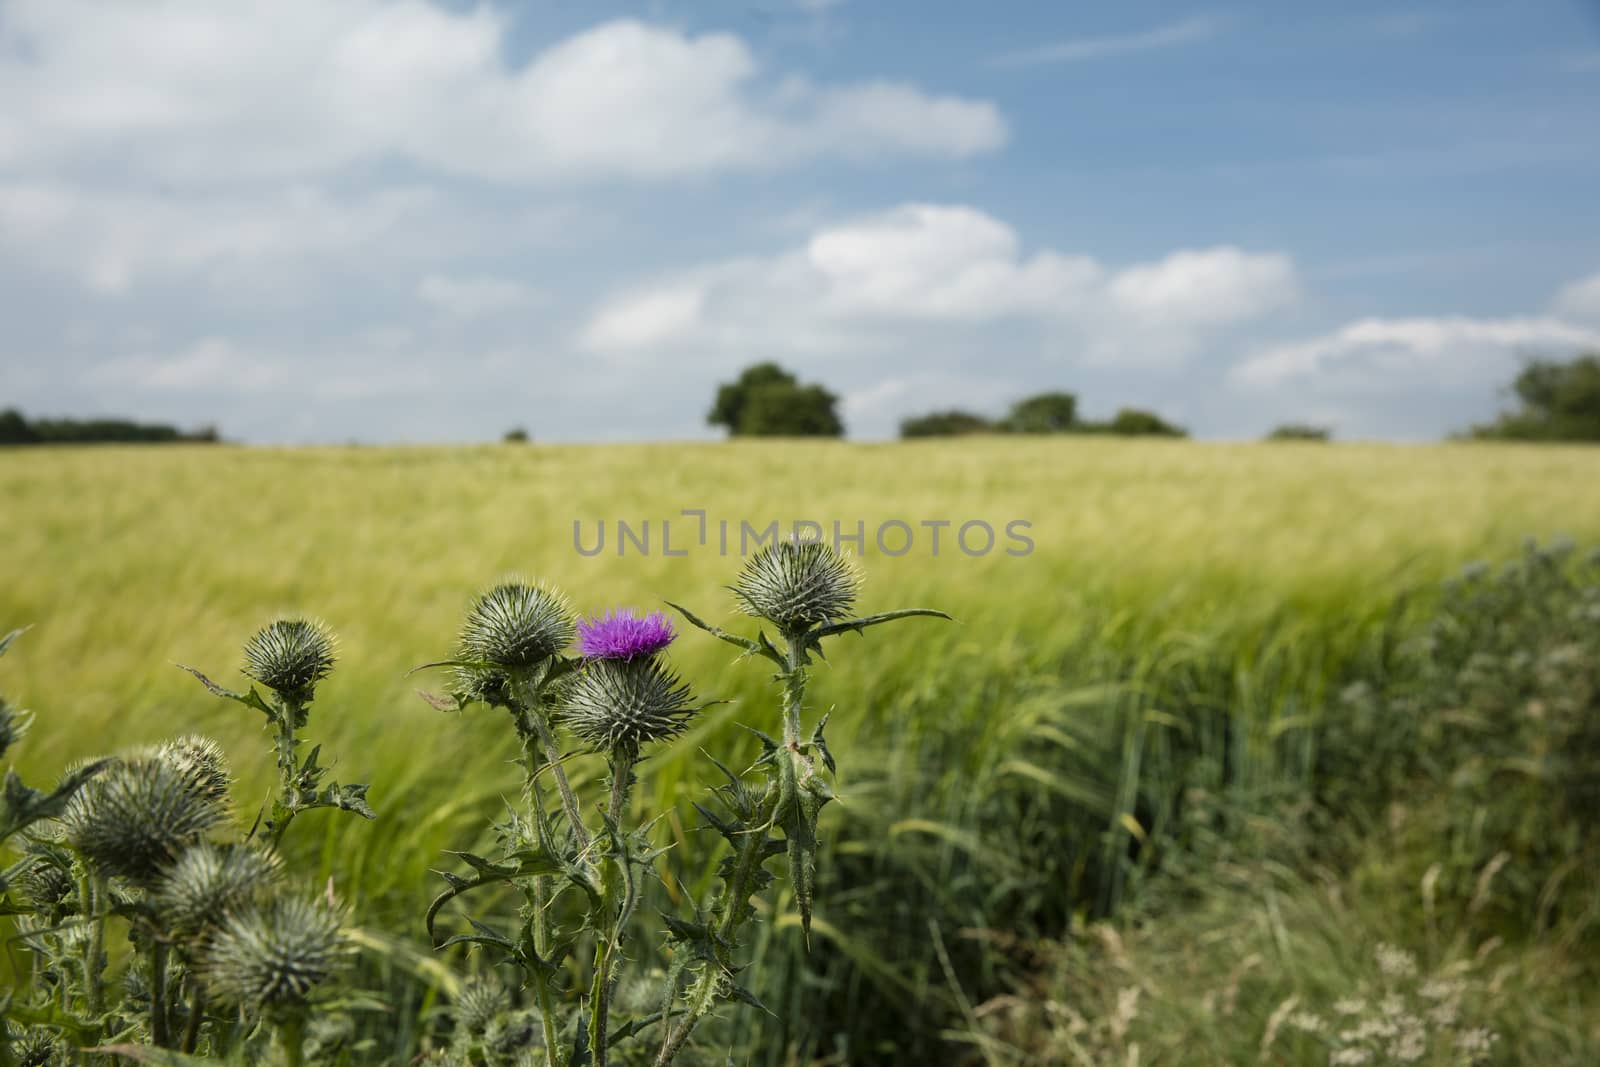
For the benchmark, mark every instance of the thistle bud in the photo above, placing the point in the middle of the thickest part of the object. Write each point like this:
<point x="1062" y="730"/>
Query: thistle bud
<point x="797" y="584"/>
<point x="210" y="882"/>
<point x="202" y="761"/>
<point x="269" y="957"/>
<point x="480" y="1002"/>
<point x="290" y="656"/>
<point x="622" y="704"/>
<point x="516" y="625"/>
<point x="137" y="817"/>
<point x="36" y="1047"/>
<point x="47" y="887"/>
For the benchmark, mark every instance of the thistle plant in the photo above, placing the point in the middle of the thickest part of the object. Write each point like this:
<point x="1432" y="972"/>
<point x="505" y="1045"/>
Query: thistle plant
<point x="289" y="657"/>
<point x="224" y="952"/>
<point x="581" y="877"/>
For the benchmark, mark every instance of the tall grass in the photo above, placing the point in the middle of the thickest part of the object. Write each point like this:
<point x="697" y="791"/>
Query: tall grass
<point x="1186" y="610"/>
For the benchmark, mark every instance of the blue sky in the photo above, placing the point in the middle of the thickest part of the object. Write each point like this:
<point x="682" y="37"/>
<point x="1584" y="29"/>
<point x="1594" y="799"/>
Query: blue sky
<point x="396" y="220"/>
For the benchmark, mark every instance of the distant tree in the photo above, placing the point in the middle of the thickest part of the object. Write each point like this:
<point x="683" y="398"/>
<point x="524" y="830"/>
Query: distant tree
<point x="768" y="401"/>
<point x="15" y="430"/>
<point x="944" y="424"/>
<point x="1042" y="413"/>
<point x="728" y="409"/>
<point x="515" y="436"/>
<point x="1560" y="401"/>
<point x="1299" y="431"/>
<point x="790" y="411"/>
<point x="1133" y="422"/>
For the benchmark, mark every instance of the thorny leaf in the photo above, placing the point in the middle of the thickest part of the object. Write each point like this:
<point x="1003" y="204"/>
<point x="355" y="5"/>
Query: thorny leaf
<point x="249" y="698"/>
<point x="21" y="806"/>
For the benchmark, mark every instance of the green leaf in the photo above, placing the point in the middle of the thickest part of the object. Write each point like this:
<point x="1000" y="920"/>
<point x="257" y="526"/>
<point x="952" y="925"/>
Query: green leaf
<point x="859" y="625"/>
<point x="523" y="863"/>
<point x="763" y="647"/>
<point x="5" y="642"/>
<point x="250" y="698"/>
<point x="22" y="806"/>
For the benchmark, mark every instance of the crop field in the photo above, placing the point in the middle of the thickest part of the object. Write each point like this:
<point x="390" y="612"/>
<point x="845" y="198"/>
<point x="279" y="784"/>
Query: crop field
<point x="1018" y="789"/>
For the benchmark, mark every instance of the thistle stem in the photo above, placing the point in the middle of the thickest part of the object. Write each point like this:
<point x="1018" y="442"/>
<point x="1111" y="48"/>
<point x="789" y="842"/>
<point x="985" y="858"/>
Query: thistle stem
<point x="569" y="800"/>
<point x="197" y="1012"/>
<point x="289" y="713"/>
<point x="159" y="1029"/>
<point x="618" y="912"/>
<point x="292" y="1032"/>
<point x="90" y="891"/>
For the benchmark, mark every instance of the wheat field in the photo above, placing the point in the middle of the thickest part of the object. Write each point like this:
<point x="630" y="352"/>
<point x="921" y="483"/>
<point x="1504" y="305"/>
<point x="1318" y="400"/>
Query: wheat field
<point x="126" y="561"/>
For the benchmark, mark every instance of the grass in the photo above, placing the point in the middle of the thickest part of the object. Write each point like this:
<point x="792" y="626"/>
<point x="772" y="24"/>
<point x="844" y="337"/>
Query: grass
<point x="1184" y="612"/>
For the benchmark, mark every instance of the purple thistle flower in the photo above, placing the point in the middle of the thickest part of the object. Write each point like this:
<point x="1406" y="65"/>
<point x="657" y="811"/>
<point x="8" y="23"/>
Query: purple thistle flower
<point x="624" y="634"/>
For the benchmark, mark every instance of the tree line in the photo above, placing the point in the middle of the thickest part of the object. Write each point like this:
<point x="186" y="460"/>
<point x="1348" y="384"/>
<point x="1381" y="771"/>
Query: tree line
<point x="1557" y="400"/>
<point x="18" y="429"/>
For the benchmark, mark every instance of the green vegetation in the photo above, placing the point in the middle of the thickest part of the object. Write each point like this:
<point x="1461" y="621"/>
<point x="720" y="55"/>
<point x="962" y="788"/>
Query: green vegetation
<point x="17" y="429"/>
<point x="1300" y="431"/>
<point x="1560" y="401"/>
<point x="1042" y="413"/>
<point x="767" y="401"/>
<point x="944" y="424"/>
<point x="1216" y="739"/>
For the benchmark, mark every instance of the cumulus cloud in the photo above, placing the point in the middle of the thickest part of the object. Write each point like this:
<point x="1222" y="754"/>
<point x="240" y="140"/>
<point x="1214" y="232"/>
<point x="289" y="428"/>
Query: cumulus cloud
<point x="109" y="239"/>
<point x="854" y="282"/>
<point x="1579" y="299"/>
<point x="190" y="92"/>
<point x="1387" y="354"/>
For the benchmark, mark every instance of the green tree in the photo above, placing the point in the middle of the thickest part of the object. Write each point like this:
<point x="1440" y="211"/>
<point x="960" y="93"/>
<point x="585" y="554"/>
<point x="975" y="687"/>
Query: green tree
<point x="1042" y="413"/>
<point x="1133" y="422"/>
<point x="1299" y="431"/>
<point x="768" y="401"/>
<point x="790" y="411"/>
<point x="15" y="430"/>
<point x="944" y="424"/>
<point x="1560" y="401"/>
<point x="728" y="409"/>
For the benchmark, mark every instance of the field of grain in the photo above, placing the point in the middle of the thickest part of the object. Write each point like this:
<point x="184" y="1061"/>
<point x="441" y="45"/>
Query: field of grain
<point x="1244" y="578"/>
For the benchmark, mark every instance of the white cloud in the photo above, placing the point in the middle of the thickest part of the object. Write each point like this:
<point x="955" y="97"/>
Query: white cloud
<point x="189" y="92"/>
<point x="1173" y="34"/>
<point x="212" y="364"/>
<point x="474" y="297"/>
<point x="1579" y="299"/>
<point x="856" y="285"/>
<point x="109" y="240"/>
<point x="1388" y="354"/>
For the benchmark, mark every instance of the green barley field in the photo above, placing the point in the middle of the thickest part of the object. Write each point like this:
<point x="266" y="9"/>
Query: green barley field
<point x="1016" y="873"/>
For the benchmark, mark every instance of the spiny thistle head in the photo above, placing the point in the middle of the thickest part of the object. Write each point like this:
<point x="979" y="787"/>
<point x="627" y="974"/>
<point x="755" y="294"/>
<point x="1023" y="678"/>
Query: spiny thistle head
<point x="38" y="1048"/>
<point x="616" y="704"/>
<point x="486" y="684"/>
<point x="136" y="817"/>
<point x="202" y="761"/>
<point x="210" y="882"/>
<point x="797" y="584"/>
<point x="290" y="656"/>
<point x="481" y="1001"/>
<point x="516" y="625"/>
<point x="624" y="634"/>
<point x="270" y="956"/>
<point x="46" y="886"/>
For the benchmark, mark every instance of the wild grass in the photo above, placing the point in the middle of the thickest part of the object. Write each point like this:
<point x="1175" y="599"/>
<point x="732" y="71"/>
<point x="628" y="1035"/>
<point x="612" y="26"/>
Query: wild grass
<point x="1187" y="611"/>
